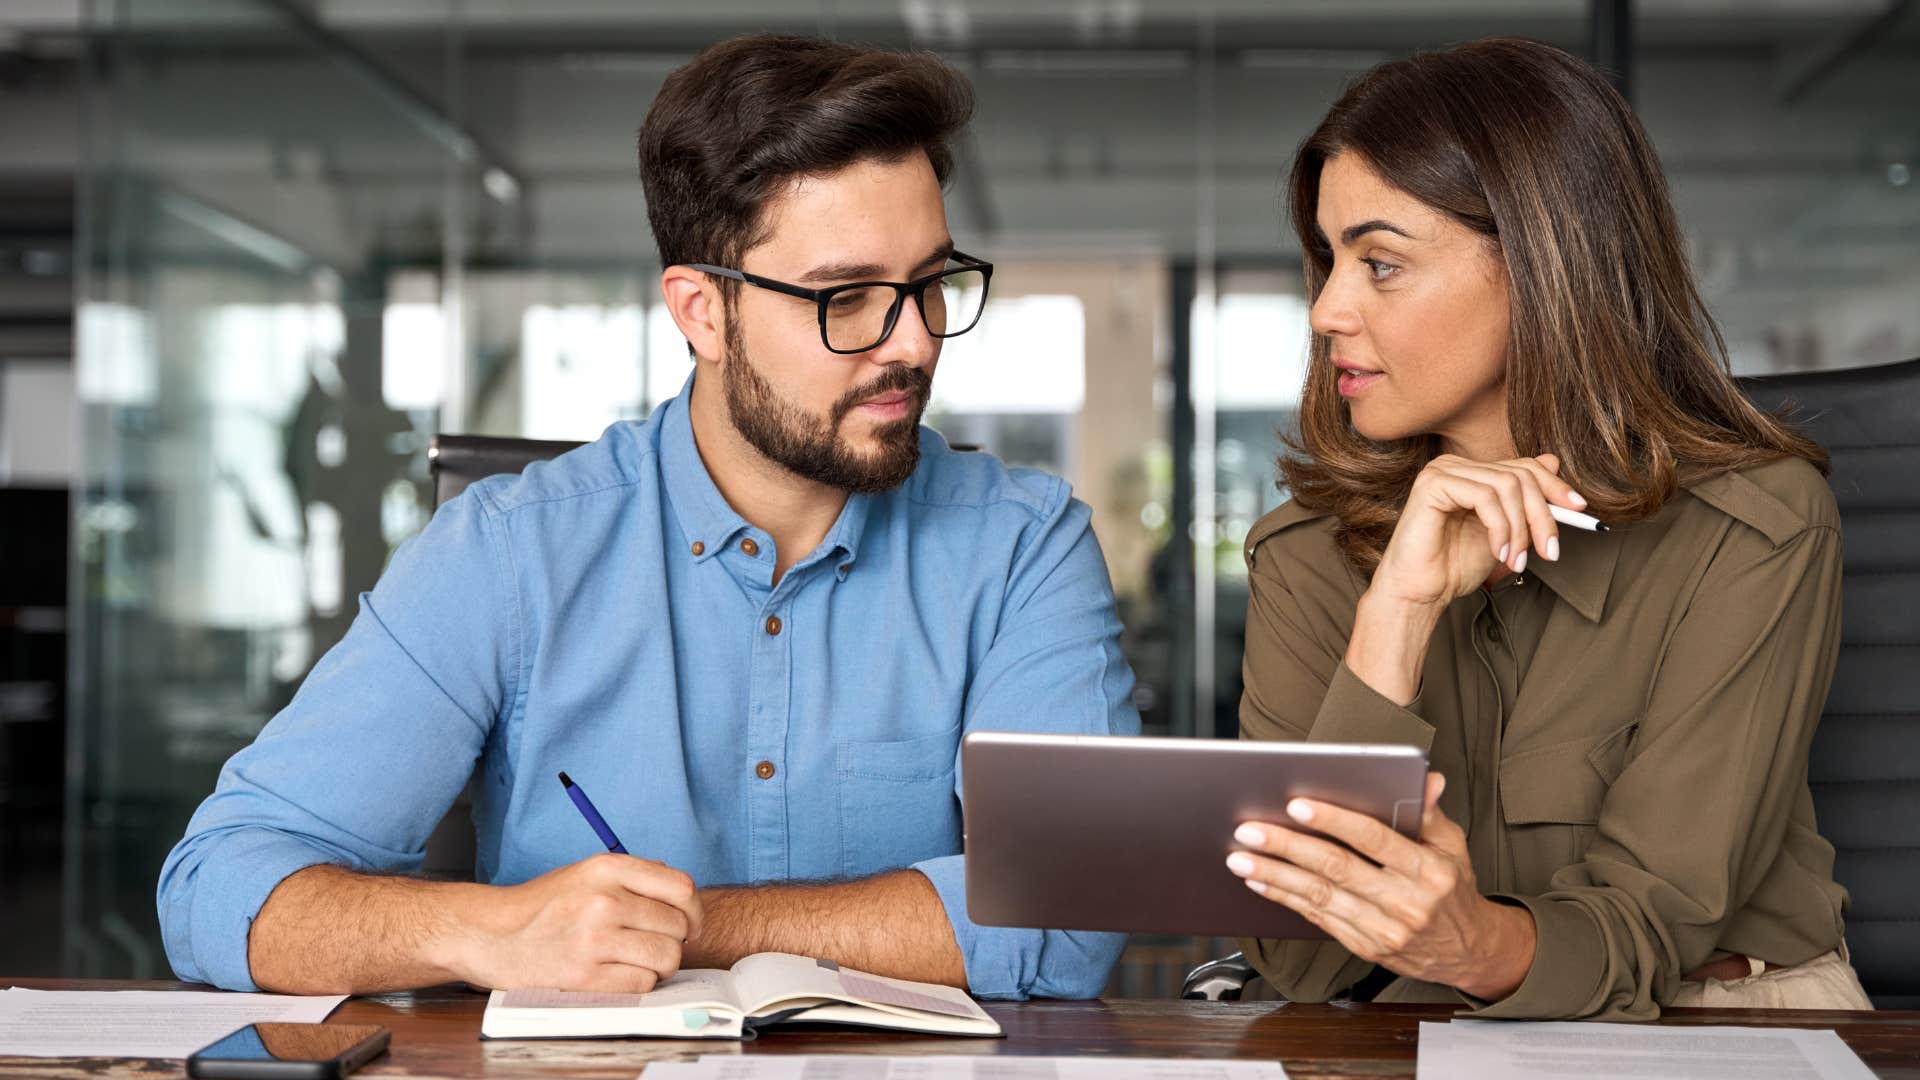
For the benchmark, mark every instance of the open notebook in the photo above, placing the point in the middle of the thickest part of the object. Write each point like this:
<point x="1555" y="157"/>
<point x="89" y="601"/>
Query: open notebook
<point x="759" y="991"/>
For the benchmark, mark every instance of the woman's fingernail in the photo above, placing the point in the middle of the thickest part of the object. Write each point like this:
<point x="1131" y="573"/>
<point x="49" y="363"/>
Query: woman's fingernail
<point x="1520" y="564"/>
<point x="1240" y="863"/>
<point x="1504" y="548"/>
<point x="1298" y="810"/>
<point x="1250" y="835"/>
<point x="1553" y="549"/>
<point x="1257" y="886"/>
<point x="1578" y="499"/>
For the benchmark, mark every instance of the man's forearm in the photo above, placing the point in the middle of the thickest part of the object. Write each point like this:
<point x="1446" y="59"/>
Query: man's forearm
<point x="893" y="925"/>
<point x="327" y="930"/>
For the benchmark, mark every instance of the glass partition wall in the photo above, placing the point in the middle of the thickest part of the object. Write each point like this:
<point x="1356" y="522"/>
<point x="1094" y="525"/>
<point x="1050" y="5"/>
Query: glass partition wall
<point x="253" y="430"/>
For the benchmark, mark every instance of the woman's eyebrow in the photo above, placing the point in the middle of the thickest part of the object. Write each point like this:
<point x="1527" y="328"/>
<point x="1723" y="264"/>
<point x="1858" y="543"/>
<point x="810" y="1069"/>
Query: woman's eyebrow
<point x="1354" y="232"/>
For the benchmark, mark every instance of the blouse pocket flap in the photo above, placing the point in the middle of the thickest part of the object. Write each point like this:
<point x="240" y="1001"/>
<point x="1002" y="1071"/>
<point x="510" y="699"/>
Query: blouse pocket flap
<point x="1562" y="783"/>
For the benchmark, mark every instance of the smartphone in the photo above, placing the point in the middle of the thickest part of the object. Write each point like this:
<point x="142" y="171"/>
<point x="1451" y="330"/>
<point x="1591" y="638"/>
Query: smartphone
<point x="289" y="1052"/>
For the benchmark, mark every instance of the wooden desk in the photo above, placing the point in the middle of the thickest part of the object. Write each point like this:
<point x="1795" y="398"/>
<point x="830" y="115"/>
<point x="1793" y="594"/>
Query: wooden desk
<point x="436" y="1034"/>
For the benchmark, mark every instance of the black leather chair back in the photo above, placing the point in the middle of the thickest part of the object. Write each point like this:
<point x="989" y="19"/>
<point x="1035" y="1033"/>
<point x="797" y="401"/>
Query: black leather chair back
<point x="1865" y="767"/>
<point x="457" y="461"/>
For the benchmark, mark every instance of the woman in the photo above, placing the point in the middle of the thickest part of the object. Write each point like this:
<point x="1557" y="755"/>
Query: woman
<point x="1504" y="320"/>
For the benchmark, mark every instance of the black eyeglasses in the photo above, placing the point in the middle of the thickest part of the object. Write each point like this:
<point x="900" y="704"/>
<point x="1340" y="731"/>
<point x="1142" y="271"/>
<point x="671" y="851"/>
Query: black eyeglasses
<point x="860" y="315"/>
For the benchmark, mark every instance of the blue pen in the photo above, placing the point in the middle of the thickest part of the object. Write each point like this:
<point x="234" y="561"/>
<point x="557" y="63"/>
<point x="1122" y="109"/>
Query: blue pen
<point x="593" y="816"/>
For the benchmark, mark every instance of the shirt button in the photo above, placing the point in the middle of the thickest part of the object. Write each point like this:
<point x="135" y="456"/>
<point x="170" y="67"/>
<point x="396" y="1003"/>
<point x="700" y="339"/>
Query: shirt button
<point x="773" y="624"/>
<point x="764" y="770"/>
<point x="749" y="547"/>
<point x="1493" y="633"/>
<point x="699" y="548"/>
<point x="845" y="567"/>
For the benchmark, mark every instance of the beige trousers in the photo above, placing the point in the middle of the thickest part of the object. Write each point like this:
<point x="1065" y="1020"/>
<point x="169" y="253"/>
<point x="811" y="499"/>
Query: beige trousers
<point x="1824" y="982"/>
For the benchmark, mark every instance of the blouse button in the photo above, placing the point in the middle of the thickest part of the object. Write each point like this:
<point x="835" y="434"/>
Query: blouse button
<point x="764" y="770"/>
<point x="749" y="547"/>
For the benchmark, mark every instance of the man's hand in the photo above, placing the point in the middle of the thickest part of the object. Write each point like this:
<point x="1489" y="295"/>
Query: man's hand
<point x="612" y="923"/>
<point x="892" y="925"/>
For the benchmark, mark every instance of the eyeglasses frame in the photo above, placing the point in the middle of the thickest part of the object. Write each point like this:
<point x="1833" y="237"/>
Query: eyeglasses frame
<point x="917" y="288"/>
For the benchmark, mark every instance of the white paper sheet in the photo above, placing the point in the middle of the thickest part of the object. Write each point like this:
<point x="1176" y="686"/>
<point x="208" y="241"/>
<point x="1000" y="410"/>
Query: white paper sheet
<point x="1500" y="1050"/>
<point x="958" y="1067"/>
<point x="138" y="1023"/>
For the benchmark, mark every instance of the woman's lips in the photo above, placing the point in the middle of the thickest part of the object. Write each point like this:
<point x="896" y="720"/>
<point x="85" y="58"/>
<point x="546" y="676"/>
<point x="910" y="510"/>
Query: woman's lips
<point x="1354" y="381"/>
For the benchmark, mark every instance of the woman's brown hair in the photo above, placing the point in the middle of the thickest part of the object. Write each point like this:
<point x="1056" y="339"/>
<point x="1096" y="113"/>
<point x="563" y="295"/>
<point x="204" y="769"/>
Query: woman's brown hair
<point x="1614" y="363"/>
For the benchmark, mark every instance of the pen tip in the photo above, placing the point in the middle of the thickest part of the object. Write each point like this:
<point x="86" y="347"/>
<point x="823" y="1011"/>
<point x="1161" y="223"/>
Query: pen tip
<point x="565" y="780"/>
<point x="1601" y="526"/>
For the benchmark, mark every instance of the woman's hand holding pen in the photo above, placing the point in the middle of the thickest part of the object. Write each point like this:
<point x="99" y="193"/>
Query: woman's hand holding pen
<point x="1465" y="518"/>
<point x="1463" y="522"/>
<point x="611" y="923"/>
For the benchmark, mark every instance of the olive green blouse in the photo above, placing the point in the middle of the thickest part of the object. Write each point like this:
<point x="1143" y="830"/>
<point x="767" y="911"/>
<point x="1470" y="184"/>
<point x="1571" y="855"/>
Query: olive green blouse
<point x="1624" y="734"/>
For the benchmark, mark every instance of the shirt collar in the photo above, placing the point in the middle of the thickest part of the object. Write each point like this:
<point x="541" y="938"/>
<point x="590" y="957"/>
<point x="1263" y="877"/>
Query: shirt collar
<point x="843" y="540"/>
<point x="707" y="520"/>
<point x="1584" y="573"/>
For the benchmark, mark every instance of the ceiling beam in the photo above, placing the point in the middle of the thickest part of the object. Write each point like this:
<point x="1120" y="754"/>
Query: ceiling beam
<point x="500" y="176"/>
<point x="1827" y="60"/>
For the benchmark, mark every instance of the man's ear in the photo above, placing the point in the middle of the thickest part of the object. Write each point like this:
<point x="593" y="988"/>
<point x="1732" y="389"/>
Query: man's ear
<point x="693" y="300"/>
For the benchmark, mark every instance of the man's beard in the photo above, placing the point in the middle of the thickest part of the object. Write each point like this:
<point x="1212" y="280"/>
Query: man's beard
<point x="811" y="447"/>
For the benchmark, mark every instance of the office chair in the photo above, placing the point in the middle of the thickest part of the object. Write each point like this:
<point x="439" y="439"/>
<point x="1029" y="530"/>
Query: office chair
<point x="1865" y="761"/>
<point x="457" y="461"/>
<point x="1865" y="764"/>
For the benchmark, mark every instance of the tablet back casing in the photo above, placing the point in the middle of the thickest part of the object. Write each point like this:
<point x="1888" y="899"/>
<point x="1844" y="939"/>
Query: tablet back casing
<point x="1105" y="832"/>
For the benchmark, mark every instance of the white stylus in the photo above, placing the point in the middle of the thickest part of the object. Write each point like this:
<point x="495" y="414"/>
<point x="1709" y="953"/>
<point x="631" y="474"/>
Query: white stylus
<point x="1576" y="519"/>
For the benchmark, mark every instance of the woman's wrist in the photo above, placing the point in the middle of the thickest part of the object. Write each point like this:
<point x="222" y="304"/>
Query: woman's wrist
<point x="1388" y="648"/>
<point x="1509" y="949"/>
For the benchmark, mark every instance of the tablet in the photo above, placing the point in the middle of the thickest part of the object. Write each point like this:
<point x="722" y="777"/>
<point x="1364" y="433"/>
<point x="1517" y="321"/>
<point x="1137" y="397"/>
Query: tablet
<point x="1109" y="832"/>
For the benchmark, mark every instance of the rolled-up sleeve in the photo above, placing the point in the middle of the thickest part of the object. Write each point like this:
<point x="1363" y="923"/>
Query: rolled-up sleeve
<point x="1695" y="819"/>
<point x="1054" y="666"/>
<point x="1298" y="689"/>
<point x="360" y="766"/>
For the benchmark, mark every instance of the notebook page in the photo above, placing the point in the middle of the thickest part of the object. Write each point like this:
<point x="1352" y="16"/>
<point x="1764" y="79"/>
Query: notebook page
<point x="766" y="979"/>
<point x="702" y="988"/>
<point x="938" y="1000"/>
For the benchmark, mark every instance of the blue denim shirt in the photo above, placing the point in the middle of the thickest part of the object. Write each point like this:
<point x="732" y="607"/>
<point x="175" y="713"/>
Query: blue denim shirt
<point x="606" y="614"/>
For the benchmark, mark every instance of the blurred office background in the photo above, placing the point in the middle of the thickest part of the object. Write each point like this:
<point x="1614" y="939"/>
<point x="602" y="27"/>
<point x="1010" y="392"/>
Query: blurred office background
<point x="253" y="253"/>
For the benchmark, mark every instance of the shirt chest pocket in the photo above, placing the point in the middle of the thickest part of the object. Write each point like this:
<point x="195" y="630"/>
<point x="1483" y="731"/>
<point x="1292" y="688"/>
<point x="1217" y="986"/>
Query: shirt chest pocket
<point x="1550" y="799"/>
<point x="897" y="801"/>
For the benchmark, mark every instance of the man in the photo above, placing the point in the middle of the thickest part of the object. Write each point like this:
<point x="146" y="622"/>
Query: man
<point x="753" y="627"/>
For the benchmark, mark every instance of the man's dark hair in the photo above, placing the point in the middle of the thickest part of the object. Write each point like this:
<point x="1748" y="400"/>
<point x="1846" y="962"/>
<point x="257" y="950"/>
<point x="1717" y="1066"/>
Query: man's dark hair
<point x="752" y="113"/>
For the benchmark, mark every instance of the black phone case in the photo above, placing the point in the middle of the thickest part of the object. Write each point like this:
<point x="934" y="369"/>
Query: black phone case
<point x="333" y="1069"/>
